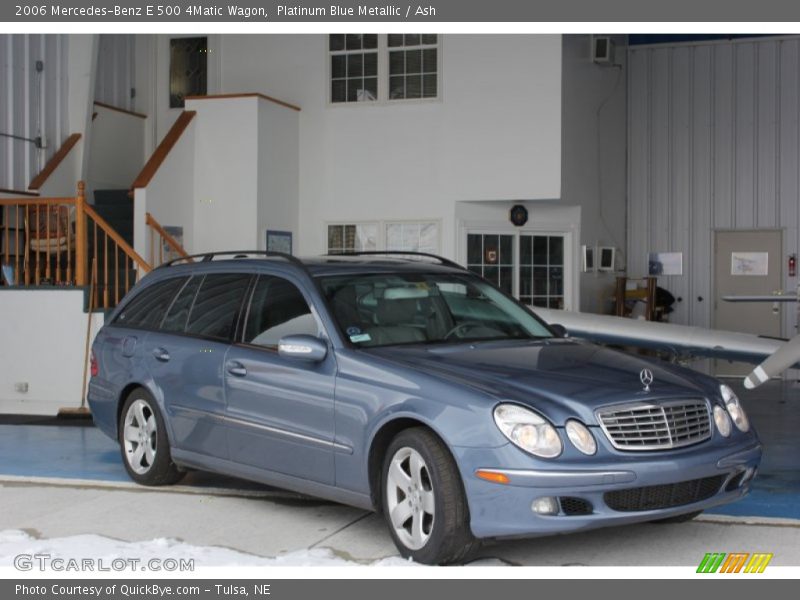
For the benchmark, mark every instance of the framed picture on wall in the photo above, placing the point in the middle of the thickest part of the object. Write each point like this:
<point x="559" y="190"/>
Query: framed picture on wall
<point x="279" y="241"/>
<point x="607" y="255"/>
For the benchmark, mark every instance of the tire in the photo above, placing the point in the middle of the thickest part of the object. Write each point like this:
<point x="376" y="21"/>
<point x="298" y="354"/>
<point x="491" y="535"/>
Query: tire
<point x="424" y="505"/>
<point x="678" y="518"/>
<point x="143" y="442"/>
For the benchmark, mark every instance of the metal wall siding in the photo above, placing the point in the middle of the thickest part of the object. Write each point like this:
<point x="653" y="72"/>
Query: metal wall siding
<point x="714" y="143"/>
<point x="31" y="104"/>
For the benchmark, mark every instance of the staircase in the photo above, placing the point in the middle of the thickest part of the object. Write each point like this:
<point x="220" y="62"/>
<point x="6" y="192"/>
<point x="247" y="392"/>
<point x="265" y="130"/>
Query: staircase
<point x="116" y="208"/>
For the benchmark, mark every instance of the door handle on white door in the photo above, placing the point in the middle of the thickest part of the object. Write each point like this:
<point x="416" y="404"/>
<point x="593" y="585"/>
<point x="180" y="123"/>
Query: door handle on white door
<point x="236" y="368"/>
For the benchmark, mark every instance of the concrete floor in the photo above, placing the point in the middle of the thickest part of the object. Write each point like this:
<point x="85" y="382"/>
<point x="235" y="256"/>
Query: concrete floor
<point x="62" y="481"/>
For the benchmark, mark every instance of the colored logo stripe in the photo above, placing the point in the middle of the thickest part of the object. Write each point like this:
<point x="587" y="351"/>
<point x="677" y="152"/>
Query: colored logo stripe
<point x="734" y="562"/>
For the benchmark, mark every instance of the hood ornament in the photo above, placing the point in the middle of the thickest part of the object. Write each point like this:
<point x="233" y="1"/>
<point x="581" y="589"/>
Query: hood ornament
<point x="646" y="377"/>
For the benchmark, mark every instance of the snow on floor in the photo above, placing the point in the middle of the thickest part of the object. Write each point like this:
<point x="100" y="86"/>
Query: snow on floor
<point x="14" y="542"/>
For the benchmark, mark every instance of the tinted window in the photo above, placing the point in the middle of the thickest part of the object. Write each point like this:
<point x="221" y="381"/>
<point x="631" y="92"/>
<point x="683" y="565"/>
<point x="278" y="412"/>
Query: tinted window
<point x="147" y="309"/>
<point x="277" y="309"/>
<point x="179" y="311"/>
<point x="216" y="305"/>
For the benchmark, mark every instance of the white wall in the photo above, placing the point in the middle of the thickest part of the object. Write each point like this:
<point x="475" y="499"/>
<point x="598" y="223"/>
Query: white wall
<point x="278" y="170"/>
<point x="117" y="150"/>
<point x="226" y="174"/>
<point x="594" y="157"/>
<point x="43" y="345"/>
<point x="495" y="134"/>
<point x="169" y="197"/>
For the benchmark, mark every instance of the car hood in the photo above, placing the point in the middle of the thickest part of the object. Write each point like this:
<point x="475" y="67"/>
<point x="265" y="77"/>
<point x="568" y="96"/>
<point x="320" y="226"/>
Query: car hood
<point x="560" y="378"/>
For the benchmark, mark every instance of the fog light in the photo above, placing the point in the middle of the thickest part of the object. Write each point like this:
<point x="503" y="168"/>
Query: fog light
<point x="581" y="437"/>
<point x="722" y="420"/>
<point x="546" y="505"/>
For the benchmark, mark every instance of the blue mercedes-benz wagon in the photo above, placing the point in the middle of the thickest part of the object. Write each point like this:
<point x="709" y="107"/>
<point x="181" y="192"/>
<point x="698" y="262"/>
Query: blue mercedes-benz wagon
<point x="410" y="386"/>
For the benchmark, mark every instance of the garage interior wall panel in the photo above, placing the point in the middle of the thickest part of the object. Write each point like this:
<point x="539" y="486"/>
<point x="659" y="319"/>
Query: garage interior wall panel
<point x="115" y="70"/>
<point x="32" y="104"/>
<point x="713" y="144"/>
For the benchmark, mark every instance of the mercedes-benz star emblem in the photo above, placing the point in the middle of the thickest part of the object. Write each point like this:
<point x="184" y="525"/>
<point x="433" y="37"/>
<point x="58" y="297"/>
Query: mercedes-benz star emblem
<point x="646" y="377"/>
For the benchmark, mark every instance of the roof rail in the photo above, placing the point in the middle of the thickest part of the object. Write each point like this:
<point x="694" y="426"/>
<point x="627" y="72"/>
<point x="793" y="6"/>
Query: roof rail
<point x="234" y="254"/>
<point x="445" y="262"/>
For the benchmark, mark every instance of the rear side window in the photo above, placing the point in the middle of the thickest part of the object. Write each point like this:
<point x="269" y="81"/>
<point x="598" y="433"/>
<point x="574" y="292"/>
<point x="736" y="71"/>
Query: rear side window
<point x="216" y="305"/>
<point x="178" y="313"/>
<point x="147" y="309"/>
<point x="277" y="309"/>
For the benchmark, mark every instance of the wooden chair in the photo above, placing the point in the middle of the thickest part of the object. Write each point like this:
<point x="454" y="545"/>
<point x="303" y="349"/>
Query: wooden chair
<point x="50" y="247"/>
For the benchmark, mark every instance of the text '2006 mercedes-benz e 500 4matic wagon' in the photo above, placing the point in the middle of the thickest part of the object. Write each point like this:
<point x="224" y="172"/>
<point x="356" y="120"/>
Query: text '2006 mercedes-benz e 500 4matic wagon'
<point x="410" y="386"/>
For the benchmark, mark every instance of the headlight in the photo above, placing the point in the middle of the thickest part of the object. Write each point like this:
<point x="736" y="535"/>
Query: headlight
<point x="734" y="408"/>
<point x="581" y="437"/>
<point x="722" y="421"/>
<point x="528" y="430"/>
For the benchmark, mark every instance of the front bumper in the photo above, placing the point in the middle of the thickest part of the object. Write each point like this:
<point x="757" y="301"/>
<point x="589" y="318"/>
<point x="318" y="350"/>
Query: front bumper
<point x="504" y="510"/>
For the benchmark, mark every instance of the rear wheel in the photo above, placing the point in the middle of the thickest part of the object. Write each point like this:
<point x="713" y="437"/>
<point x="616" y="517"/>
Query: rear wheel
<point x="143" y="442"/>
<point x="423" y="500"/>
<point x="678" y="518"/>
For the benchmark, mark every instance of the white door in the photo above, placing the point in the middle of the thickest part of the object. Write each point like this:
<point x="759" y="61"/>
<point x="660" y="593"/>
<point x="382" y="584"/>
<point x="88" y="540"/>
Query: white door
<point x="746" y="263"/>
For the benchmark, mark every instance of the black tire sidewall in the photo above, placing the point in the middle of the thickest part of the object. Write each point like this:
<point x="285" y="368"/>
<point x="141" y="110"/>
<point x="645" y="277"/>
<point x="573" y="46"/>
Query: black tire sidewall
<point x="447" y="489"/>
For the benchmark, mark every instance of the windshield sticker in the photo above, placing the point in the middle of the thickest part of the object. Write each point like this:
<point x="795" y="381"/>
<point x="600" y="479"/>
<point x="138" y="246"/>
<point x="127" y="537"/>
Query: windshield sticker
<point x="363" y="337"/>
<point x="352" y="330"/>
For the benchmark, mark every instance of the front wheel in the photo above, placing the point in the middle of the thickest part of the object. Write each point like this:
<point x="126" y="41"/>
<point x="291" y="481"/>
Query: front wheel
<point x="423" y="500"/>
<point x="143" y="442"/>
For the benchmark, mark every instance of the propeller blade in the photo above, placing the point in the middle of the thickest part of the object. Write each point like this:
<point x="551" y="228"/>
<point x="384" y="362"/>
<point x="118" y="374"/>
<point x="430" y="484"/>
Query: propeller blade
<point x="782" y="359"/>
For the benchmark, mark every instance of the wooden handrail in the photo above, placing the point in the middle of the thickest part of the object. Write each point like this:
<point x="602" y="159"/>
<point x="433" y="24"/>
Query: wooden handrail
<point x="173" y="135"/>
<point x="120" y="110"/>
<point x="117" y="238"/>
<point x="244" y="95"/>
<point x="51" y="165"/>
<point x="173" y="243"/>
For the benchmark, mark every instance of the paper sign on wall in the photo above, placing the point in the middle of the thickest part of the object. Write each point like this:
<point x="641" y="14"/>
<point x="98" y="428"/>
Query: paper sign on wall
<point x="749" y="263"/>
<point x="665" y="263"/>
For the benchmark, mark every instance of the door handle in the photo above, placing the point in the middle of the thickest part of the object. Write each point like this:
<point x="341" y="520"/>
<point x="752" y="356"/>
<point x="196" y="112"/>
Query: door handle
<point x="161" y="354"/>
<point x="236" y="368"/>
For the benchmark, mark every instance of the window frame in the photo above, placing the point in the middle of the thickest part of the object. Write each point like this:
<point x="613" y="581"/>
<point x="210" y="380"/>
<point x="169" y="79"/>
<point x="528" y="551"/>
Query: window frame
<point x="382" y="225"/>
<point x="383" y="76"/>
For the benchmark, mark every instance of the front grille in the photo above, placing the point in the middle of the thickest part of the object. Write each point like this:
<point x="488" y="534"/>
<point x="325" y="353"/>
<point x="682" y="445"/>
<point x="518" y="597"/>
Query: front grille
<point x="670" y="424"/>
<point x="575" y="506"/>
<point x="655" y="497"/>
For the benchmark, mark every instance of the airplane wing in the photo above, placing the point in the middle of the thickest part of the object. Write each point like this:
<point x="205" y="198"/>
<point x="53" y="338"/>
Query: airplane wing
<point x="777" y="355"/>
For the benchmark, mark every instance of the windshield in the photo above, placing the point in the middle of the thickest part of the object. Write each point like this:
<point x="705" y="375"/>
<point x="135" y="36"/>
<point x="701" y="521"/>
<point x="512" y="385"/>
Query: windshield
<point x="417" y="308"/>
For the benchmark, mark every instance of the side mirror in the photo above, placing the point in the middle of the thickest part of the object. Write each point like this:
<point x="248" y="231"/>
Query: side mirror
<point x="303" y="347"/>
<point x="559" y="330"/>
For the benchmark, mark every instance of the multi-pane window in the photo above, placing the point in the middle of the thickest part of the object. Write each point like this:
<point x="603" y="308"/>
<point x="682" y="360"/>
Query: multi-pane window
<point x="492" y="257"/>
<point x="370" y="67"/>
<point x="352" y="237"/>
<point x="541" y="270"/>
<point x="188" y="69"/>
<point x="413" y="236"/>
<point x="354" y="67"/>
<point x="413" y="65"/>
